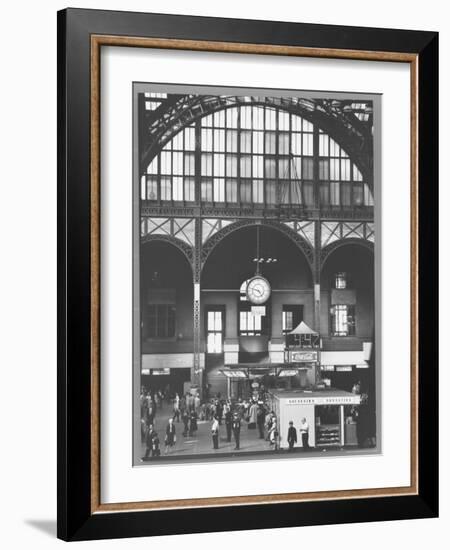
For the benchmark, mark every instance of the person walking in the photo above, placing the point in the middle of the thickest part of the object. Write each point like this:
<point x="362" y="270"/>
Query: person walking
<point x="193" y="422"/>
<point x="182" y="405"/>
<point x="215" y="433"/>
<point x="219" y="411"/>
<point x="149" y="400"/>
<point x="273" y="432"/>
<point x="189" y="402"/>
<point x="304" y="432"/>
<point x="143" y="429"/>
<point x="151" y="413"/>
<point x="156" y="451"/>
<point x="260" y="420"/>
<point x="170" y="436"/>
<point x="185" y="419"/>
<point x="197" y="404"/>
<point x="144" y="406"/>
<point x="291" y="436"/>
<point x="176" y="407"/>
<point x="228" y="423"/>
<point x="149" y="440"/>
<point x="268" y="423"/>
<point x="252" y="415"/>
<point x="236" y="426"/>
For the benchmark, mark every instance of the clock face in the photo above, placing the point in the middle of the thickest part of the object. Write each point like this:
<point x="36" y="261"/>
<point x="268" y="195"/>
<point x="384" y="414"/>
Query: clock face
<point x="258" y="290"/>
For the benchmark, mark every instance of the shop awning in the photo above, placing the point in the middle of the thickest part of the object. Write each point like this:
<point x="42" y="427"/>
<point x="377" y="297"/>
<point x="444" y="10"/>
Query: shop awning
<point x="336" y="358"/>
<point x="249" y="370"/>
<point x="234" y="373"/>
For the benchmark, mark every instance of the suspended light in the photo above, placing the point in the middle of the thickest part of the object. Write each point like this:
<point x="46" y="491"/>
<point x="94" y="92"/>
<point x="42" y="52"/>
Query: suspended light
<point x="265" y="260"/>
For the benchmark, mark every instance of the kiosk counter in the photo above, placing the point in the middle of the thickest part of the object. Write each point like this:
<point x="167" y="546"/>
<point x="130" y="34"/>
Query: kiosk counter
<point x="324" y="410"/>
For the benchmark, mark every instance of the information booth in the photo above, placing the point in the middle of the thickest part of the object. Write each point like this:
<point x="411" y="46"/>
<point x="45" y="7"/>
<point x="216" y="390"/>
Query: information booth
<point x="302" y="352"/>
<point x="299" y="369"/>
<point x="324" y="411"/>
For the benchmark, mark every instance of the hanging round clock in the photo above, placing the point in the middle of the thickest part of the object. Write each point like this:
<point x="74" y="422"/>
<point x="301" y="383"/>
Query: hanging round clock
<point x="258" y="290"/>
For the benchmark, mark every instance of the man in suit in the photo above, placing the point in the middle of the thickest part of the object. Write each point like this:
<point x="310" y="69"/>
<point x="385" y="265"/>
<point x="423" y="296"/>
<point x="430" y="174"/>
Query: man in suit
<point x="215" y="432"/>
<point x="151" y="434"/>
<point x="291" y="436"/>
<point x="185" y="419"/>
<point x="192" y="423"/>
<point x="170" y="438"/>
<point x="260" y="419"/>
<point x="304" y="430"/>
<point x="228" y="422"/>
<point x="236" y="426"/>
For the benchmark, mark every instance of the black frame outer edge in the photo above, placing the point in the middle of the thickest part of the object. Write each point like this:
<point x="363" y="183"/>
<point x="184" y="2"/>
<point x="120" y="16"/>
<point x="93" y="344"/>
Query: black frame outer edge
<point x="61" y="293"/>
<point x="428" y="212"/>
<point x="75" y="521"/>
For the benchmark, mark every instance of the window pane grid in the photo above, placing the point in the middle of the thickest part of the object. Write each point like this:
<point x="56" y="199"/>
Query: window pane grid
<point x="214" y="332"/>
<point x="161" y="321"/>
<point x="345" y="186"/>
<point x="343" y="320"/>
<point x="250" y="325"/>
<point x="253" y="153"/>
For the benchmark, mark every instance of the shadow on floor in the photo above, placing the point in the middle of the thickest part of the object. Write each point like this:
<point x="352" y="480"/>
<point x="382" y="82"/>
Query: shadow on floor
<point x="47" y="526"/>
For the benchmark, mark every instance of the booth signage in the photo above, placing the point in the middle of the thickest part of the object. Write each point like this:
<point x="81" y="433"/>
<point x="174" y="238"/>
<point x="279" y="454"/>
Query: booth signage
<point x="347" y="400"/>
<point x="302" y="356"/>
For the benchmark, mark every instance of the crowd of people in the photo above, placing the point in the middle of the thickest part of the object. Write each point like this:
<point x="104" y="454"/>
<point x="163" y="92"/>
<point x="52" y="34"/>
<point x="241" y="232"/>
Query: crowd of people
<point x="228" y="418"/>
<point x="232" y="414"/>
<point x="225" y="415"/>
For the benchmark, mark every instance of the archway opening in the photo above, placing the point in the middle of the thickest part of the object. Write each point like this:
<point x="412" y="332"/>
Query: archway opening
<point x="253" y="333"/>
<point x="166" y="299"/>
<point x="348" y="315"/>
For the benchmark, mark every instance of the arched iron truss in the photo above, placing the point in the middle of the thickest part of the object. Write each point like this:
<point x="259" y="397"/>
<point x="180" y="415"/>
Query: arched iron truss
<point x="329" y="249"/>
<point x="298" y="240"/>
<point x="187" y="250"/>
<point x="335" y="117"/>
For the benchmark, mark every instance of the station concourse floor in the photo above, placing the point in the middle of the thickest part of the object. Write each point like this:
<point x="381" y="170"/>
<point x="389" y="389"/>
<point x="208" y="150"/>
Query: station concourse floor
<point x="201" y="442"/>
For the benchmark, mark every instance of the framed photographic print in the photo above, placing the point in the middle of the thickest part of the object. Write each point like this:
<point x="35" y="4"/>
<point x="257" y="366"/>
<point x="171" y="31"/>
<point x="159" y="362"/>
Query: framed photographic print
<point x="247" y="274"/>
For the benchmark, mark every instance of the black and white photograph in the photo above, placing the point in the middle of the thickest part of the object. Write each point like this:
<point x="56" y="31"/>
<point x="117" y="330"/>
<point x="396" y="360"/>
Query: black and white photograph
<point x="255" y="306"/>
<point x="221" y="282"/>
